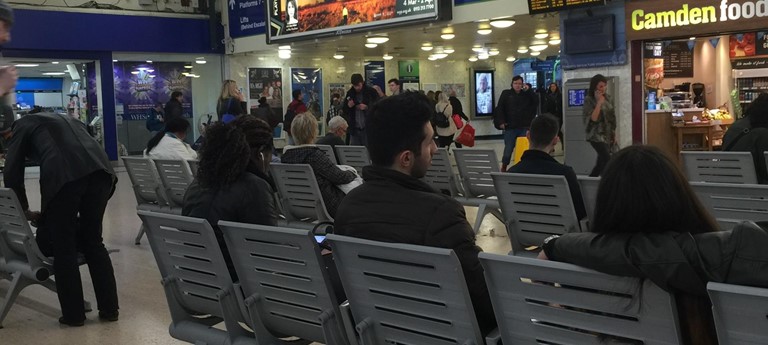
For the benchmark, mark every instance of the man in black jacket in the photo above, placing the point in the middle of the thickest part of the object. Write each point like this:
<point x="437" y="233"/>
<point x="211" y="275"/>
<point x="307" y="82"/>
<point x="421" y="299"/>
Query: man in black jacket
<point x="394" y="205"/>
<point x="543" y="139"/>
<point x="513" y="115"/>
<point x="357" y="103"/>
<point x="76" y="181"/>
<point x="174" y="107"/>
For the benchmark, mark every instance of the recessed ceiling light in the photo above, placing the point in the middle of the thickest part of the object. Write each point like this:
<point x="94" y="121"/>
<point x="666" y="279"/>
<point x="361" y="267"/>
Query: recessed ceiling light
<point x="538" y="47"/>
<point x="338" y="56"/>
<point x="554" y="41"/>
<point x="522" y="50"/>
<point x="440" y="55"/>
<point x="26" y="65"/>
<point x="692" y="38"/>
<point x="149" y="61"/>
<point x="200" y="61"/>
<point x="284" y="54"/>
<point x="482" y="56"/>
<point x="55" y="62"/>
<point x="432" y="58"/>
<point x="486" y="31"/>
<point x="380" y="39"/>
<point x="510" y="58"/>
<point x="371" y="45"/>
<point x="387" y="57"/>
<point x="54" y="73"/>
<point x="541" y="35"/>
<point x="472" y="58"/>
<point x="502" y="23"/>
<point x="188" y="66"/>
<point x="535" y="53"/>
<point x="447" y="36"/>
<point x="286" y="47"/>
<point x="426" y="48"/>
<point x="493" y="52"/>
<point x="478" y="49"/>
<point x="448" y="50"/>
<point x="114" y="60"/>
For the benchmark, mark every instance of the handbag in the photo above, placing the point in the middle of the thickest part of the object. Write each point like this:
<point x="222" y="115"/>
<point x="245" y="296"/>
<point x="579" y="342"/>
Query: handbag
<point x="457" y="121"/>
<point x="466" y="136"/>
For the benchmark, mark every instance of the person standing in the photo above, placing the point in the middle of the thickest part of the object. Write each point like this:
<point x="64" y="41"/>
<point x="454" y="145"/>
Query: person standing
<point x="74" y="198"/>
<point x="553" y="104"/>
<point x="395" y="87"/>
<point x="513" y="115"/>
<point x="358" y="100"/>
<point x="296" y="107"/>
<point x="155" y="122"/>
<point x="444" y="108"/>
<point x="600" y="122"/>
<point x="231" y="102"/>
<point x="174" y="107"/>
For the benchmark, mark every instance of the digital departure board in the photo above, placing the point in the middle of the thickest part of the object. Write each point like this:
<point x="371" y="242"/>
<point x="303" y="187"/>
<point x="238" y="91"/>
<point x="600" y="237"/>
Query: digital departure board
<point x="290" y="20"/>
<point x="544" y="6"/>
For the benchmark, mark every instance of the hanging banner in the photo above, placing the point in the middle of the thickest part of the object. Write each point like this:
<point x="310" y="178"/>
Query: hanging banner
<point x="374" y="74"/>
<point x="310" y="82"/>
<point x="267" y="83"/>
<point x="140" y="85"/>
<point x="714" y="42"/>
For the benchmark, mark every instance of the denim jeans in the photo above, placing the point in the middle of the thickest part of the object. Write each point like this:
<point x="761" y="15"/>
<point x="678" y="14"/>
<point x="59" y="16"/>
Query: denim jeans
<point x="510" y="137"/>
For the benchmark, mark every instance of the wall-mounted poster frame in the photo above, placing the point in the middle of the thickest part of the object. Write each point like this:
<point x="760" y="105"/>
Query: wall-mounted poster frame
<point x="483" y="99"/>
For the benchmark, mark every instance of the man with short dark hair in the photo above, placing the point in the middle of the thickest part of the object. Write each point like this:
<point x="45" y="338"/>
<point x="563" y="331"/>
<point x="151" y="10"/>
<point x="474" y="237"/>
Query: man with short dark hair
<point x="358" y="101"/>
<point x="513" y="115"/>
<point x="394" y="86"/>
<point x="394" y="205"/>
<point x="543" y="138"/>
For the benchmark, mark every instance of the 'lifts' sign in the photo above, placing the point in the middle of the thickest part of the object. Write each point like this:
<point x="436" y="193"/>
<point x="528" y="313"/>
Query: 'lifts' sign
<point x="655" y="19"/>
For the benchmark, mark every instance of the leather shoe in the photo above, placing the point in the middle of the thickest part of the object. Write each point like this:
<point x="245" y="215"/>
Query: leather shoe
<point x="71" y="323"/>
<point x="109" y="316"/>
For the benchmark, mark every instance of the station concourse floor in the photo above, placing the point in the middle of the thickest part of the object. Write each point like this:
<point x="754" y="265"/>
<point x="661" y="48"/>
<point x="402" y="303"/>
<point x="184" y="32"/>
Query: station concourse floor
<point x="144" y="316"/>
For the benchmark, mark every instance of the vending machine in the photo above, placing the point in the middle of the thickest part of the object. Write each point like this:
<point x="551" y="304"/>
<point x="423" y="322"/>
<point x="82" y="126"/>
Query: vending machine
<point x="579" y="154"/>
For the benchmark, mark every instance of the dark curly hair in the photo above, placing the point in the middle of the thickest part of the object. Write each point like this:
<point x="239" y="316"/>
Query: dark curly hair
<point x="223" y="157"/>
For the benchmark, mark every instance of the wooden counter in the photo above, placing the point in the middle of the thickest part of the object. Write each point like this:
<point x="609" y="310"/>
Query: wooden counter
<point x="659" y="132"/>
<point x="671" y="139"/>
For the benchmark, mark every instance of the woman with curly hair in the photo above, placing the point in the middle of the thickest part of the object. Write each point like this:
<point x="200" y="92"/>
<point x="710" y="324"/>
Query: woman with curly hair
<point x="232" y="183"/>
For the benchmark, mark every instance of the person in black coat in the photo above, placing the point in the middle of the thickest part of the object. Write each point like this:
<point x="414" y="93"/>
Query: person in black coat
<point x="395" y="205"/>
<point x="357" y="102"/>
<point x="174" y="108"/>
<point x="232" y="182"/>
<point x="231" y="102"/>
<point x="543" y="138"/>
<point x="513" y="115"/>
<point x="76" y="181"/>
<point x="553" y="104"/>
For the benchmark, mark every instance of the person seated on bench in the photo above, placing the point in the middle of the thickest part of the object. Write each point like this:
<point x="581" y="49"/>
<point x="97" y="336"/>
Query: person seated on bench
<point x="169" y="143"/>
<point x="394" y="205"/>
<point x="643" y="198"/>
<point x="750" y="134"/>
<point x="337" y="129"/>
<point x="543" y="138"/>
<point x="232" y="183"/>
<point x="328" y="175"/>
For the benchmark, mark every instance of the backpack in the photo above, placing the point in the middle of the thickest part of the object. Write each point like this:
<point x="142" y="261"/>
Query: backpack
<point x="440" y="120"/>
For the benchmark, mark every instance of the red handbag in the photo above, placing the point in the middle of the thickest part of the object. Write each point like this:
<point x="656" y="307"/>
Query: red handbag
<point x="466" y="136"/>
<point x="457" y="120"/>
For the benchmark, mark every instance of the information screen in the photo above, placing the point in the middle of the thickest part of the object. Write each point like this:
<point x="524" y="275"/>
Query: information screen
<point x="305" y="19"/>
<point x="484" y="93"/>
<point x="544" y="6"/>
<point x="576" y="97"/>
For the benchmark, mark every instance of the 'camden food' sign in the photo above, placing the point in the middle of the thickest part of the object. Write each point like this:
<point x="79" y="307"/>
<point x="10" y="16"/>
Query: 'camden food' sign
<point x="657" y="19"/>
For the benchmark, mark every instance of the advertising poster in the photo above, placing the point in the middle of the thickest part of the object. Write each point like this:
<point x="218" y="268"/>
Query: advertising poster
<point x="460" y="89"/>
<point x="374" y="74"/>
<point x="338" y="88"/>
<point x="139" y="85"/>
<point x="310" y="82"/>
<point x="484" y="96"/>
<point x="761" y="46"/>
<point x="295" y="18"/>
<point x="268" y="83"/>
<point x="742" y="45"/>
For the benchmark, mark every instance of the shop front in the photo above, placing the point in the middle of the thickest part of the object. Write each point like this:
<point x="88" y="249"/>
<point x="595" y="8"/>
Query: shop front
<point x="701" y="66"/>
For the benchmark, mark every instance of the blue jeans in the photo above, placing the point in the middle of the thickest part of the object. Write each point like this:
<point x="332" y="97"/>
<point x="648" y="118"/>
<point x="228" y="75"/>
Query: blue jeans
<point x="510" y="138"/>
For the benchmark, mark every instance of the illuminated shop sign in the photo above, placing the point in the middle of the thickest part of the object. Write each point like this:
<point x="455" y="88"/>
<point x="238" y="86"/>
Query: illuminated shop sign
<point x="650" y="19"/>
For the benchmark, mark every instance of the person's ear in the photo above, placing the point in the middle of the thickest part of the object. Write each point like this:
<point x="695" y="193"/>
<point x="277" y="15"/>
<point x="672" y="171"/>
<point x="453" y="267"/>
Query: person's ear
<point x="405" y="159"/>
<point x="528" y="135"/>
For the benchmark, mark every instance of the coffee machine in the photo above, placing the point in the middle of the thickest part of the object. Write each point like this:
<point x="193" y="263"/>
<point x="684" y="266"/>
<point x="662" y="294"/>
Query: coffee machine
<point x="698" y="95"/>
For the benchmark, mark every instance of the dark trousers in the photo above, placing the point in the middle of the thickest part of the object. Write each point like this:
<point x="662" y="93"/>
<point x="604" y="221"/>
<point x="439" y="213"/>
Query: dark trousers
<point x="444" y="141"/>
<point x="87" y="197"/>
<point x="603" y="156"/>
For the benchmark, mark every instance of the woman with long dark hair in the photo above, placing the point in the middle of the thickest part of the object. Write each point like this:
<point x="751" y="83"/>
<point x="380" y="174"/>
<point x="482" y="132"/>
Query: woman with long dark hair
<point x="232" y="182"/>
<point x="169" y="143"/>
<point x="600" y="121"/>
<point x="642" y="191"/>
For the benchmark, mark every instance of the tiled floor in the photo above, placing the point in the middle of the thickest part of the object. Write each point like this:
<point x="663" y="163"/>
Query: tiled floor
<point x="144" y="316"/>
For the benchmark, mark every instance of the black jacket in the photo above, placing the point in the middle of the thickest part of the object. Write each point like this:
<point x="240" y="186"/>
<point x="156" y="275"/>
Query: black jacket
<point x="538" y="162"/>
<point x="457" y="107"/>
<point x="173" y="109"/>
<point x="62" y="147"/>
<point x="393" y="207"/>
<point x="330" y="139"/>
<point x="267" y="115"/>
<point x="232" y="106"/>
<point x="756" y="142"/>
<point x="516" y="110"/>
<point x="248" y="200"/>
<point x="553" y="104"/>
<point x="370" y="96"/>
<point x="328" y="175"/>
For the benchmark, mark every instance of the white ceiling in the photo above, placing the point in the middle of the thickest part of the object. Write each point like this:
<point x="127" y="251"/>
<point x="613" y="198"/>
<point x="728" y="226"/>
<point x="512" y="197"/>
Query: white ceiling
<point x="44" y="65"/>
<point x="407" y="42"/>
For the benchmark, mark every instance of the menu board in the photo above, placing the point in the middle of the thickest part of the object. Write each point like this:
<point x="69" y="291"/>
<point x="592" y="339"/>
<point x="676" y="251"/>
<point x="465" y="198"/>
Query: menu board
<point x="306" y="19"/>
<point x="678" y="60"/>
<point x="544" y="6"/>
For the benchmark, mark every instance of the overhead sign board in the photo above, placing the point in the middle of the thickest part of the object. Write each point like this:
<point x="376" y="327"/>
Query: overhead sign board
<point x="544" y="6"/>
<point x="246" y="17"/>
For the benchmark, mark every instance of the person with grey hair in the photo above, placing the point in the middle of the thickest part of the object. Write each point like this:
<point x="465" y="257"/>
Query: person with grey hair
<point x="337" y="129"/>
